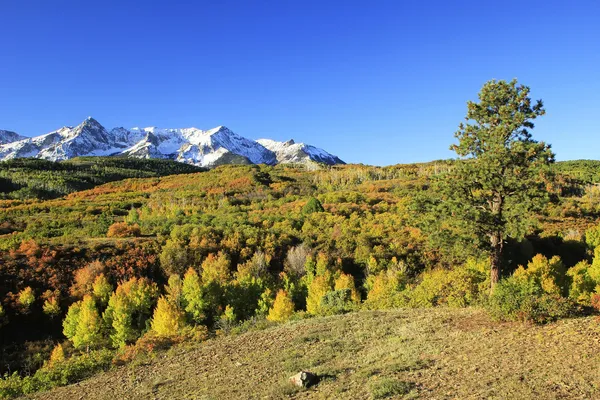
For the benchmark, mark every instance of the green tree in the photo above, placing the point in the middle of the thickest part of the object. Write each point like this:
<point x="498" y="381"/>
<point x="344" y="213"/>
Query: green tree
<point x="51" y="307"/>
<point x="87" y="332"/>
<point x="102" y="289"/>
<point x="174" y="290"/>
<point x="319" y="286"/>
<point x="26" y="298"/>
<point x="71" y="320"/>
<point x="119" y="316"/>
<point x="500" y="182"/>
<point x="129" y="308"/>
<point x="193" y="299"/>
<point x="312" y="206"/>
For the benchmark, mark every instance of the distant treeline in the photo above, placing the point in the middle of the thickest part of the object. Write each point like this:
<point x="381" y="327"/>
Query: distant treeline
<point x="29" y="178"/>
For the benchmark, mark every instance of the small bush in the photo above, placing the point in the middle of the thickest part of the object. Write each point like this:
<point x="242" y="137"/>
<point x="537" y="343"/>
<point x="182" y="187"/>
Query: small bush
<point x="459" y="287"/>
<point x="550" y="275"/>
<point x="582" y="284"/>
<point x="517" y="299"/>
<point x="59" y="373"/>
<point x="337" y="302"/>
<point x="312" y="206"/>
<point x="150" y="343"/>
<point x="123" y="230"/>
<point x="385" y="290"/>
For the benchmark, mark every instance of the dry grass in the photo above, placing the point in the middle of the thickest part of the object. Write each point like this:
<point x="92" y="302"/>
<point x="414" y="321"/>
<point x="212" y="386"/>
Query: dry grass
<point x="429" y="354"/>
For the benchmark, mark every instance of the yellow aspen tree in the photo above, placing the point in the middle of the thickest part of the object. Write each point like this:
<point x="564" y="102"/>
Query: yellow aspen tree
<point x="283" y="307"/>
<point x="316" y="290"/>
<point x="26" y="298"/>
<point x="346" y="281"/>
<point x="168" y="319"/>
<point x="57" y="355"/>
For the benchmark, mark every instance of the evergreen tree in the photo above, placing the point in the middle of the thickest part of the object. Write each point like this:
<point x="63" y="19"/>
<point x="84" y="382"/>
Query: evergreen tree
<point x="494" y="190"/>
<point x="312" y="206"/>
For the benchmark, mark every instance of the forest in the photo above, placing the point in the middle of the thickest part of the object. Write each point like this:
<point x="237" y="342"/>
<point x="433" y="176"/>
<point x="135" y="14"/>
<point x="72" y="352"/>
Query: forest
<point x="104" y="259"/>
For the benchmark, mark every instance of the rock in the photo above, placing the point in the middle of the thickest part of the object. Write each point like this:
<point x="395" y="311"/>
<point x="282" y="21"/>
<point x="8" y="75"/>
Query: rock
<point x="304" y="379"/>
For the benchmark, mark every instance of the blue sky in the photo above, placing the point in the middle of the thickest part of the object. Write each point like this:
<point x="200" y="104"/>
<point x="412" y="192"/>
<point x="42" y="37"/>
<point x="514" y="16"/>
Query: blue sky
<point x="375" y="82"/>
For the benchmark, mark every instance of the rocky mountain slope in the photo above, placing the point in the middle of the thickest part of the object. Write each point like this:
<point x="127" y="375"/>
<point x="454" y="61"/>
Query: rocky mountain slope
<point x="8" y="137"/>
<point x="188" y="145"/>
<point x="292" y="152"/>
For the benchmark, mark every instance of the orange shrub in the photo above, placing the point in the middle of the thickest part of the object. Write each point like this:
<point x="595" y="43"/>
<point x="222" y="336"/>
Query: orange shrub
<point x="123" y="230"/>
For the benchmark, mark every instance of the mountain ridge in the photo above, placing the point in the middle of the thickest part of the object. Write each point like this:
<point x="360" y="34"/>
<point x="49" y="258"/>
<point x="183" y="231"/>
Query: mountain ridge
<point x="204" y="148"/>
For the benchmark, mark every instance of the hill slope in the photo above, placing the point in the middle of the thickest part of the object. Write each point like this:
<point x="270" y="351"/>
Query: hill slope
<point x="33" y="178"/>
<point x="430" y="353"/>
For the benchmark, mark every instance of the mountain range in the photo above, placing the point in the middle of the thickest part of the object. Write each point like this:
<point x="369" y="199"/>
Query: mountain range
<point x="208" y="148"/>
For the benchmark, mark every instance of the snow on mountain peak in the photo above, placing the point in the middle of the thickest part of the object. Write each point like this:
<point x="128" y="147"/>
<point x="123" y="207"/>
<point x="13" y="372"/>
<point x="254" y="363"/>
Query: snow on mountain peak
<point x="9" y="137"/>
<point x="292" y="152"/>
<point x="208" y="148"/>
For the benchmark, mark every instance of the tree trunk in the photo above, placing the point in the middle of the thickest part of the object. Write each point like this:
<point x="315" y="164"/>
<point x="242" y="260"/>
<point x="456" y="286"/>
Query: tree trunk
<point x="495" y="259"/>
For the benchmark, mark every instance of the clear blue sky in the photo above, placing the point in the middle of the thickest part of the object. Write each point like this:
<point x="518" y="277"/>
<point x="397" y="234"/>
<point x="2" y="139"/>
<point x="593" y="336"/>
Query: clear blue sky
<point x="377" y="82"/>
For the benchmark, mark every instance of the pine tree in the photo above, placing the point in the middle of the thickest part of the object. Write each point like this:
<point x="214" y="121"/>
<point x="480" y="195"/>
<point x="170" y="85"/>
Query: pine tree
<point x="312" y="206"/>
<point x="494" y="190"/>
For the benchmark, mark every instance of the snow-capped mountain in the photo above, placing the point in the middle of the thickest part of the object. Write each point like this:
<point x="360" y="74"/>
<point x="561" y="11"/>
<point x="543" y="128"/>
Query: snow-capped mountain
<point x="292" y="152"/>
<point x="194" y="146"/>
<point x="8" y="137"/>
<point x="190" y="145"/>
<point x="87" y="139"/>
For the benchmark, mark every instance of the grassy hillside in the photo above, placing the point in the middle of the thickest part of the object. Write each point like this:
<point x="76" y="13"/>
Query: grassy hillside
<point x="434" y="353"/>
<point x="41" y="179"/>
<point x="249" y="237"/>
